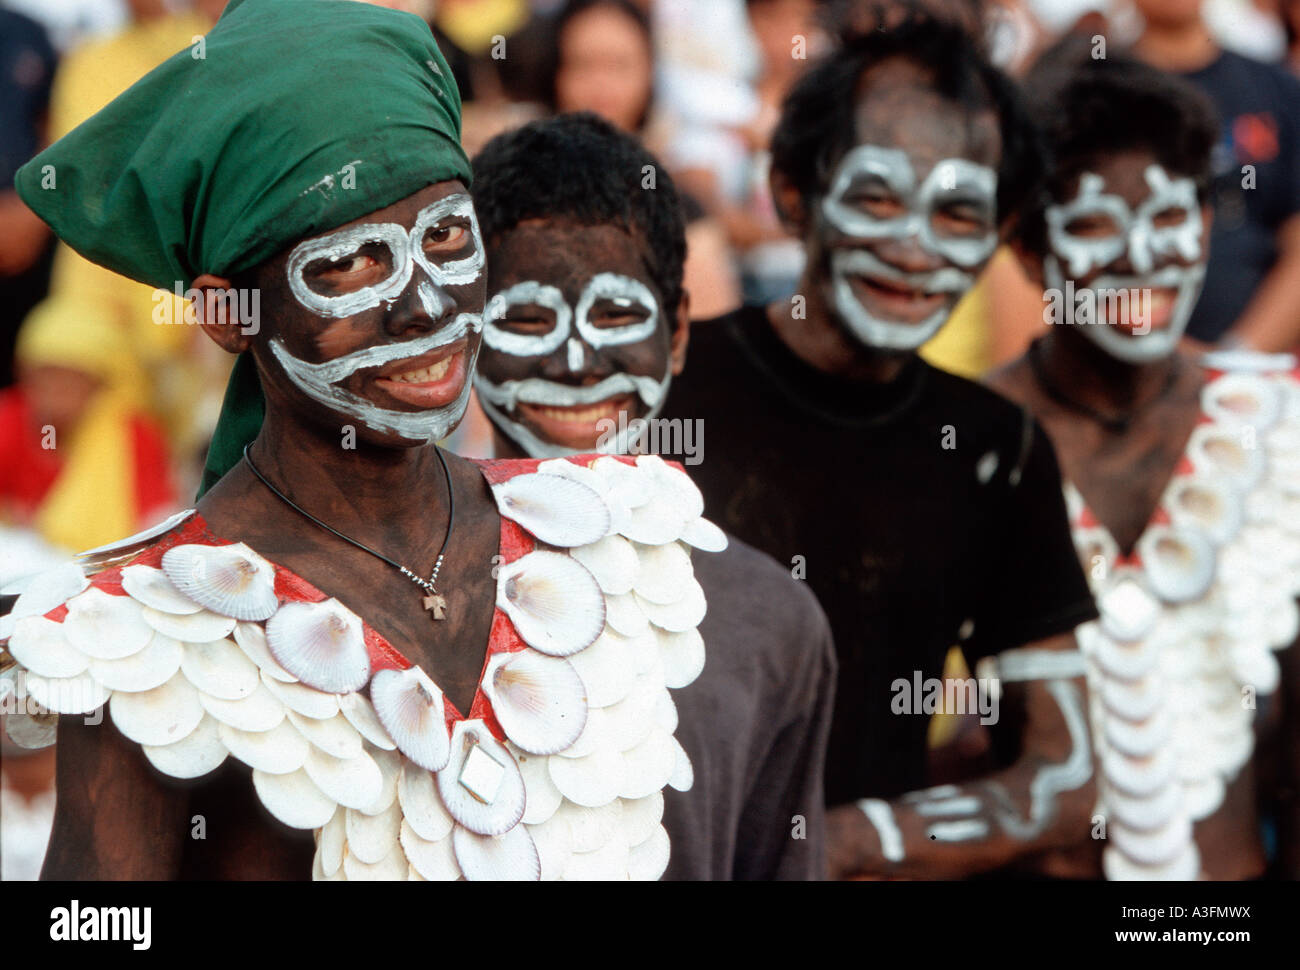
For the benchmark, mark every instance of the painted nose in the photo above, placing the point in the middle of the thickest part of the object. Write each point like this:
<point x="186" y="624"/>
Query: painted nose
<point x="576" y="352"/>
<point x="422" y="307"/>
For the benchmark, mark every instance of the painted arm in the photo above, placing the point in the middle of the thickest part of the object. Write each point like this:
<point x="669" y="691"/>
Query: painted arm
<point x="1042" y="801"/>
<point x="113" y="818"/>
<point x="1271" y="320"/>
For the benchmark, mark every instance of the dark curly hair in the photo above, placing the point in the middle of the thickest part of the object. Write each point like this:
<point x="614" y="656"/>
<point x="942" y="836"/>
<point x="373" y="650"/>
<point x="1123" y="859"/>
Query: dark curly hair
<point x="818" y="118"/>
<point x="578" y="168"/>
<point x="1089" y="108"/>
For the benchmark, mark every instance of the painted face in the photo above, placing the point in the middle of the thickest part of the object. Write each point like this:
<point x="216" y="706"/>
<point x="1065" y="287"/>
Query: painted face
<point x="1131" y="242"/>
<point x="910" y="214"/>
<point x="575" y="335"/>
<point x="388" y="316"/>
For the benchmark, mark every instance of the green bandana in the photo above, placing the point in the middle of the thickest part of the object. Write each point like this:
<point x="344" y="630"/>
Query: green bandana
<point x="289" y="118"/>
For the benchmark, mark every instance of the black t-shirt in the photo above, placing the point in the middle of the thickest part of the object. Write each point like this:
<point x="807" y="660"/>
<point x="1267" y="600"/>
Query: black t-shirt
<point x="923" y="513"/>
<point x="1259" y="126"/>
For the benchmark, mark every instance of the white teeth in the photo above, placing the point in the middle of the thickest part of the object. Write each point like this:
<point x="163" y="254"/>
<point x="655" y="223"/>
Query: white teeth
<point x="434" y="372"/>
<point x="579" y="415"/>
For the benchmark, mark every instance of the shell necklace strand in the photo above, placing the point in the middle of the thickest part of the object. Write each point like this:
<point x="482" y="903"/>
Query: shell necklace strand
<point x="433" y="601"/>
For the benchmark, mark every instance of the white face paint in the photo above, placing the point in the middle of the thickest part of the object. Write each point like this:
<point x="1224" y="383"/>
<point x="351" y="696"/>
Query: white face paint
<point x="574" y="331"/>
<point x="1144" y="244"/>
<point x="951" y="181"/>
<point x="406" y="251"/>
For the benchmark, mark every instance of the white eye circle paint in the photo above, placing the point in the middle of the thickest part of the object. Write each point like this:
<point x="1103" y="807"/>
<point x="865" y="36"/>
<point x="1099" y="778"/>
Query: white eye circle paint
<point x="1144" y="243"/>
<point x="454" y="272"/>
<point x="499" y="401"/>
<point x="622" y="290"/>
<point x="318" y="381"/>
<point x="527" y="293"/>
<point x="344" y="243"/>
<point x="951" y="180"/>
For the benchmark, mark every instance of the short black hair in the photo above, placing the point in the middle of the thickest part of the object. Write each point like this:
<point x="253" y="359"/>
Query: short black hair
<point x="578" y="168"/>
<point x="1089" y="108"/>
<point x="818" y="118"/>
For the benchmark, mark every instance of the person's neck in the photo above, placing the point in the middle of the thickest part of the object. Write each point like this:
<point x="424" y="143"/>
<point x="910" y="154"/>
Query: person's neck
<point x="504" y="446"/>
<point x="821" y="342"/>
<point x="1097" y="380"/>
<point x="1188" y="47"/>
<point x="352" y="488"/>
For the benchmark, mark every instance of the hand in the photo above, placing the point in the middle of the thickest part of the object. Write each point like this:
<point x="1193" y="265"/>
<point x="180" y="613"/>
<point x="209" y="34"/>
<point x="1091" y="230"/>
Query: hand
<point x="852" y="844"/>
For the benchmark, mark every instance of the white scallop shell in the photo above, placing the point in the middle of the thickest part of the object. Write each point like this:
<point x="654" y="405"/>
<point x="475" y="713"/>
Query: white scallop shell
<point x="674" y="481"/>
<point x="1155" y="846"/>
<point x="1144" y="814"/>
<point x="67" y="695"/>
<point x="553" y="601"/>
<point x="354" y="782"/>
<point x="1202" y="797"/>
<point x="1184" y="867"/>
<point x="612" y="561"/>
<point x="626" y="484"/>
<point x="198" y="753"/>
<point x="422" y="805"/>
<point x="625" y="616"/>
<point x="607" y="668"/>
<point x="201" y="627"/>
<point x="1179" y="562"/>
<point x="46" y="590"/>
<point x="682" y="614"/>
<point x="1139" y="739"/>
<point x="606" y="864"/>
<point x="372" y="837"/>
<point x="663" y="573"/>
<point x="251" y="638"/>
<point x="683" y="656"/>
<point x="1221" y="452"/>
<point x="559" y="511"/>
<point x="1208" y="503"/>
<point x="153" y="589"/>
<point x="392" y="868"/>
<point x="1242" y="399"/>
<point x="144" y="670"/>
<point x="410" y="707"/>
<point x="641" y="817"/>
<point x="540" y="701"/>
<point x="554" y="844"/>
<point x="542" y="798"/>
<point x="332" y="735"/>
<point x="322" y="644"/>
<point x="1133" y="700"/>
<point x="1139" y="776"/>
<point x="276" y="752"/>
<point x="704" y="535"/>
<point x="294" y="799"/>
<point x="472" y="739"/>
<point x="356" y="707"/>
<point x="509" y="856"/>
<point x="299" y="697"/>
<point x="259" y="711"/>
<point x="232" y="580"/>
<point x="647" y="861"/>
<point x="105" y="627"/>
<point x="590" y="828"/>
<point x="160" y="716"/>
<point x="220" y="669"/>
<point x="648" y="766"/>
<point x="591" y="781"/>
<point x="683" y="776"/>
<point x="330" y="843"/>
<point x="40" y="646"/>
<point x="435" y="859"/>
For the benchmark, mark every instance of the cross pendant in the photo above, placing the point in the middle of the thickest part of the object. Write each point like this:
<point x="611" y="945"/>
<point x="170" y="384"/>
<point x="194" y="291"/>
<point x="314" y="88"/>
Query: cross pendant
<point x="436" y="603"/>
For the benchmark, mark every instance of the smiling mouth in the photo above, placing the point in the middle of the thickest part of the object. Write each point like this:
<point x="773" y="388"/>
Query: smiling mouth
<point x="576" y="426"/>
<point x="1159" y="307"/>
<point x="895" y="300"/>
<point x="433" y="380"/>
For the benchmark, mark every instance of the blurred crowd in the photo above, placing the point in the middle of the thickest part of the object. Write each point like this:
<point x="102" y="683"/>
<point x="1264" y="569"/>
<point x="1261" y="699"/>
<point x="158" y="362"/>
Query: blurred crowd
<point x="107" y="398"/>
